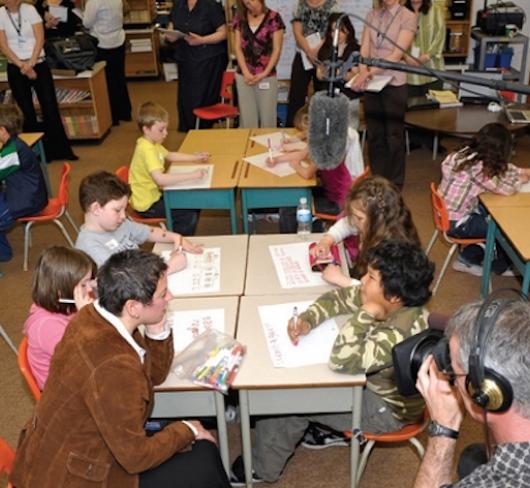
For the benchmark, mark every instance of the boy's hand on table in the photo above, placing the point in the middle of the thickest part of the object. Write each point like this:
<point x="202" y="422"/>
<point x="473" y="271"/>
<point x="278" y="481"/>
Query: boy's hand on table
<point x="333" y="275"/>
<point x="192" y="247"/>
<point x="297" y="327"/>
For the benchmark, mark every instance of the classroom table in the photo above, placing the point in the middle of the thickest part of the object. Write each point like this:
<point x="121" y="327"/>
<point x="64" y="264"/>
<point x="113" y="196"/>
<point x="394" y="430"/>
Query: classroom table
<point x="233" y="262"/>
<point x="262" y="189"/>
<point x="506" y="226"/>
<point x="266" y="390"/>
<point x="261" y="265"/>
<point x="226" y="147"/>
<point x="177" y="397"/>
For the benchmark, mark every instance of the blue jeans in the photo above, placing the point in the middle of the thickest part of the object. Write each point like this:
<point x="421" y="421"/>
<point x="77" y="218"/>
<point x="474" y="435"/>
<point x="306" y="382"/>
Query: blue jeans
<point x="6" y="222"/>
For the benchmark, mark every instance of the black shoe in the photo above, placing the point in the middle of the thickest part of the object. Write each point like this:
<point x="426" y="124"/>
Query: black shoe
<point x="237" y="474"/>
<point x="316" y="437"/>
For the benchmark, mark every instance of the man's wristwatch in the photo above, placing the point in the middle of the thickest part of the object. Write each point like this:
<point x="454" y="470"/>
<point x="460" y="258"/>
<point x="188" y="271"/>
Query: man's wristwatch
<point x="437" y="430"/>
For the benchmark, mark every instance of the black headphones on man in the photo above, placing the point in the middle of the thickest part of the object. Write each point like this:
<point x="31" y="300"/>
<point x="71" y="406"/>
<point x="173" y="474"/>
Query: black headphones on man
<point x="488" y="388"/>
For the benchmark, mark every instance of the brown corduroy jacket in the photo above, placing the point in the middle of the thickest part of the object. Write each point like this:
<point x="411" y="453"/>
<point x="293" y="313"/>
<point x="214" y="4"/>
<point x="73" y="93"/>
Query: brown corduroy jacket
<point x="87" y="429"/>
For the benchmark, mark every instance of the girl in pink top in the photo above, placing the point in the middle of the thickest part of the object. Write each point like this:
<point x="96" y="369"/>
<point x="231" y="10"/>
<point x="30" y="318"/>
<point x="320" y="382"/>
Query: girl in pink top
<point x="61" y="273"/>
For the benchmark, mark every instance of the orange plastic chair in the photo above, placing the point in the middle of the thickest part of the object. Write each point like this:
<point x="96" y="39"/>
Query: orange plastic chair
<point x="441" y="227"/>
<point x="123" y="174"/>
<point x="7" y="458"/>
<point x="219" y="110"/>
<point x="407" y="433"/>
<point x="334" y="218"/>
<point x="55" y="209"/>
<point x="25" y="369"/>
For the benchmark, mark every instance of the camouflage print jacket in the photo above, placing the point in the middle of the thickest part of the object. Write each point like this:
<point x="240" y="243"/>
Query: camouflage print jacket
<point x="364" y="344"/>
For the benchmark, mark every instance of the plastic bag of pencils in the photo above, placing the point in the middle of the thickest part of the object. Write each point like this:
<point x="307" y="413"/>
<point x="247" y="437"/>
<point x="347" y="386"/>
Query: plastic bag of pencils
<point x="211" y="360"/>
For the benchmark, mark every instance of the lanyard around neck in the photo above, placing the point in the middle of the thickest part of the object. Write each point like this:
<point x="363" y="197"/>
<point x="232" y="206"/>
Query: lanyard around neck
<point x="19" y="28"/>
<point x="382" y="36"/>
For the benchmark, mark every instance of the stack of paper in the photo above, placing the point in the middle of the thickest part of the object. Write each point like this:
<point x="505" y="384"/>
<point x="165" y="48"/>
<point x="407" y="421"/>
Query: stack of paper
<point x="446" y="98"/>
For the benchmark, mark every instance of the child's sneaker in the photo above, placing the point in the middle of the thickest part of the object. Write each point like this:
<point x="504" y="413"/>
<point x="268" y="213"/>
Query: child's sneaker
<point x="237" y="474"/>
<point x="462" y="266"/>
<point x="316" y="437"/>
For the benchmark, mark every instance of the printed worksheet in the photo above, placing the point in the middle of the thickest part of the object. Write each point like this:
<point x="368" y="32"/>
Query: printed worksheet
<point x="201" y="275"/>
<point x="260" y="160"/>
<point x="276" y="140"/>
<point x="292" y="265"/>
<point x="204" y="182"/>
<point x="187" y="325"/>
<point x="313" y="348"/>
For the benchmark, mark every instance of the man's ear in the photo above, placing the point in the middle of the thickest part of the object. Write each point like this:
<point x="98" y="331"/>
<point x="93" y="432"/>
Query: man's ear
<point x="94" y="208"/>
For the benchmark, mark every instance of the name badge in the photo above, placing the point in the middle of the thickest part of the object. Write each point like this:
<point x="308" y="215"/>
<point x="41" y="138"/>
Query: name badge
<point x="415" y="51"/>
<point x="21" y="41"/>
<point x="112" y="244"/>
<point x="264" y="85"/>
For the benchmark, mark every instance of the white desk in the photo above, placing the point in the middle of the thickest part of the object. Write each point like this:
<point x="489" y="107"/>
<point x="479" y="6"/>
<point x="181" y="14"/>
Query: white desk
<point x="180" y="398"/>
<point x="265" y="390"/>
<point x="262" y="278"/>
<point x="233" y="262"/>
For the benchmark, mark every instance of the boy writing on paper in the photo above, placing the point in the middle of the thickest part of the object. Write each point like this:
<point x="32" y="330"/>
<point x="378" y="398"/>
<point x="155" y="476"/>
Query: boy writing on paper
<point x="107" y="230"/>
<point x="147" y="175"/>
<point x="385" y="309"/>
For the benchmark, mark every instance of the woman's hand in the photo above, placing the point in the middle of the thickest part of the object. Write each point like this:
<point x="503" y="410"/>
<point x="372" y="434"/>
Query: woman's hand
<point x="297" y="327"/>
<point x="83" y="295"/>
<point x="312" y="54"/>
<point x="360" y="81"/>
<point x="202" y="433"/>
<point x="170" y="37"/>
<point x="194" y="39"/>
<point x="50" y="21"/>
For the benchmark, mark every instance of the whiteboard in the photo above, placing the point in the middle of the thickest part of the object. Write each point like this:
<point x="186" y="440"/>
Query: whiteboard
<point x="286" y="9"/>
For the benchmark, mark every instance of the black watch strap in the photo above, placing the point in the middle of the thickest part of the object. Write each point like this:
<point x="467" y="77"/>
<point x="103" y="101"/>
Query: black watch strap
<point x="437" y="430"/>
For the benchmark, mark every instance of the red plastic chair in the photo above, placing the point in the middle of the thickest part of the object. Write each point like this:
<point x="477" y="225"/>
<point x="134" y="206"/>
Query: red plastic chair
<point x="7" y="458"/>
<point x="219" y="110"/>
<point x="55" y="209"/>
<point x="25" y="369"/>
<point x="123" y="174"/>
<point x="441" y="227"/>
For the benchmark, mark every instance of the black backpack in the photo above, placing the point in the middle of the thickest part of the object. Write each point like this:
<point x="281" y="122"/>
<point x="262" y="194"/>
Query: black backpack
<point x="77" y="52"/>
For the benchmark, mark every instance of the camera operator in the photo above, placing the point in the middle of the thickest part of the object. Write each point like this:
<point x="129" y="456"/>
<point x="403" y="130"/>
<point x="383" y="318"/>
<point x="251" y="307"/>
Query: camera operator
<point x="489" y="347"/>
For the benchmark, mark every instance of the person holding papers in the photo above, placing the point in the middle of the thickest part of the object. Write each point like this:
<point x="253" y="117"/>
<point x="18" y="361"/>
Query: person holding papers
<point x="385" y="309"/>
<point x="147" y="175"/>
<point x="59" y="17"/>
<point x="88" y="427"/>
<point x="258" y="45"/>
<point x="391" y="33"/>
<point x="310" y="20"/>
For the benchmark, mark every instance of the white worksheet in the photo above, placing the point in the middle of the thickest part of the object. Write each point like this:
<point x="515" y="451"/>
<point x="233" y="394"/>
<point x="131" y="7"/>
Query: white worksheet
<point x="60" y="13"/>
<point x="313" y="348"/>
<point x="187" y="325"/>
<point x="201" y="275"/>
<point x="260" y="160"/>
<point x="276" y="139"/>
<point x="525" y="187"/>
<point x="292" y="265"/>
<point x="205" y="182"/>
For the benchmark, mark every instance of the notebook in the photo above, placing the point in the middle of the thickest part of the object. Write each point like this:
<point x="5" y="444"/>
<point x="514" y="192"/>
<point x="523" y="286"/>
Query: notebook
<point x="517" y="116"/>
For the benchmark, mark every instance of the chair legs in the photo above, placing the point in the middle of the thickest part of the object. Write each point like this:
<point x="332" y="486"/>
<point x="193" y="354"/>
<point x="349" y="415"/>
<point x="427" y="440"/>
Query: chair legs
<point x="72" y="221"/>
<point x="197" y="123"/>
<point x="431" y="242"/>
<point x="444" y="267"/>
<point x="6" y="337"/>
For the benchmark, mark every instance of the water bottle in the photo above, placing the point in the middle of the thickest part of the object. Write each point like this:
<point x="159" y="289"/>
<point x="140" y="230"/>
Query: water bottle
<point x="303" y="217"/>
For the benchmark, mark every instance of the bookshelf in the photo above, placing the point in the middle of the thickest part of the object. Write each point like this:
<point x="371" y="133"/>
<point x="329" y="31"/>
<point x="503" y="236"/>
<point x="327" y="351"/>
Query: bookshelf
<point x="141" y="39"/>
<point x="83" y="102"/>
<point x="458" y="30"/>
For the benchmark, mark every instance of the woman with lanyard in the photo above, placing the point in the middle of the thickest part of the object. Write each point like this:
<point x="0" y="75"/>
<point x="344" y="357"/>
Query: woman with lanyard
<point x="388" y="33"/>
<point x="201" y="56"/>
<point x="58" y="27"/>
<point x="310" y="20"/>
<point x="21" y="41"/>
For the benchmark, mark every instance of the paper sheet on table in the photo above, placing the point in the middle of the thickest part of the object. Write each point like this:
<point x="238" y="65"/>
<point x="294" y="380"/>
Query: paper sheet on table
<point x="525" y="187"/>
<point x="313" y="348"/>
<point x="205" y="182"/>
<point x="313" y="40"/>
<point x="60" y="13"/>
<point x="187" y="325"/>
<point x="260" y="160"/>
<point x="201" y="275"/>
<point x="376" y="83"/>
<point x="276" y="139"/>
<point x="178" y="34"/>
<point x="292" y="265"/>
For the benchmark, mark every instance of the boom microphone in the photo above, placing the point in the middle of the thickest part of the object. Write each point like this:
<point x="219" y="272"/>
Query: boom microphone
<point x="328" y="129"/>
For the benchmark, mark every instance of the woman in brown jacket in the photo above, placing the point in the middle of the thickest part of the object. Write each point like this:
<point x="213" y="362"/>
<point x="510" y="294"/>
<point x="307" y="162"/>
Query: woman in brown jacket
<point x="87" y="430"/>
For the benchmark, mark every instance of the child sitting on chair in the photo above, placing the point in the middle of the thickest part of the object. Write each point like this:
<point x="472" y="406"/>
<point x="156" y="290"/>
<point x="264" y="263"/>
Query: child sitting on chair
<point x="147" y="175"/>
<point x="107" y="230"/>
<point x="22" y="186"/>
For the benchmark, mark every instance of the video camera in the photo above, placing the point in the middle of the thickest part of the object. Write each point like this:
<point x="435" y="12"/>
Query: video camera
<point x="409" y="355"/>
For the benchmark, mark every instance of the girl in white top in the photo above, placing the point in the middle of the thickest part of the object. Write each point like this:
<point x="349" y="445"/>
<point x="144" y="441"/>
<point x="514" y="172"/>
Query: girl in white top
<point x="22" y="41"/>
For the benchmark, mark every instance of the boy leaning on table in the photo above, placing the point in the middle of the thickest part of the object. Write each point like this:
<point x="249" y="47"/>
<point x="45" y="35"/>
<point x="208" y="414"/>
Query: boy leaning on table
<point x="386" y="308"/>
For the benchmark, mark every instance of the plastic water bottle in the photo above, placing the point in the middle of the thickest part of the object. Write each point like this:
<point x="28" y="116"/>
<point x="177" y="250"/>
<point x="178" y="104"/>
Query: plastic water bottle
<point x="303" y="217"/>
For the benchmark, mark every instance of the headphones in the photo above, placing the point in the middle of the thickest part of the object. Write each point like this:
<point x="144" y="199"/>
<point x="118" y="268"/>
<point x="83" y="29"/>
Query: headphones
<point x="486" y="387"/>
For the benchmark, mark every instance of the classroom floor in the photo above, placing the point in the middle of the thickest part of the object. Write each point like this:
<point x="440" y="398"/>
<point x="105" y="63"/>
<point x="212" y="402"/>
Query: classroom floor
<point x="387" y="467"/>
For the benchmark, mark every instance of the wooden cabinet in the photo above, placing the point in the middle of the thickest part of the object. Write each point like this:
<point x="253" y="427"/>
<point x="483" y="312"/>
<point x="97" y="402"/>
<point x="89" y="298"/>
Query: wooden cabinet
<point x="141" y="58"/>
<point x="140" y="12"/>
<point x="88" y="117"/>
<point x="458" y="30"/>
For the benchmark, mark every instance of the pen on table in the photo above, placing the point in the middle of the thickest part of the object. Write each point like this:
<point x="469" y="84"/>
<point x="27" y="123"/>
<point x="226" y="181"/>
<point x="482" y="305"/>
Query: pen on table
<point x="270" y="148"/>
<point x="295" y="320"/>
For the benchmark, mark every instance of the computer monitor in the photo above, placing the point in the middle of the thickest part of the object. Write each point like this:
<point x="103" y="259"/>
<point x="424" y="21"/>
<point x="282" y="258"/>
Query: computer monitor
<point x="479" y="93"/>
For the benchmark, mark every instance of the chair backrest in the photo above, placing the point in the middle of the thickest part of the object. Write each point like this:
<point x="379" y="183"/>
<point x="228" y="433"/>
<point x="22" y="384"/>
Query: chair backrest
<point x="63" y="184"/>
<point x="7" y="457"/>
<point x="25" y="369"/>
<point x="439" y="210"/>
<point x="226" y="84"/>
<point x="123" y="173"/>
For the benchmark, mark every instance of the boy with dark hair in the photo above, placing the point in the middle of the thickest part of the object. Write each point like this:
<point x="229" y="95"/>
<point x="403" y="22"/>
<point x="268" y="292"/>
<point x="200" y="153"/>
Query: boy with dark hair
<point x="147" y="175"/>
<point x="385" y="309"/>
<point x="22" y="186"/>
<point x="103" y="197"/>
